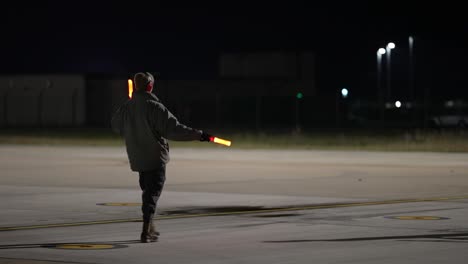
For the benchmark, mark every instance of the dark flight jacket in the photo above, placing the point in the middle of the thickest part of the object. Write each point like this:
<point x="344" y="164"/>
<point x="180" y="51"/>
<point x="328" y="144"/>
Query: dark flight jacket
<point x="146" y="125"/>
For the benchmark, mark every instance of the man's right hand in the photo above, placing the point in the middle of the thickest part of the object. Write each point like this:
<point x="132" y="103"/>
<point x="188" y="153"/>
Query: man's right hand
<point x="206" y="137"/>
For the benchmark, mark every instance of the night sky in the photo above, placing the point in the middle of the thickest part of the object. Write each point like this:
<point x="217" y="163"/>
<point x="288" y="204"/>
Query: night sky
<point x="185" y="43"/>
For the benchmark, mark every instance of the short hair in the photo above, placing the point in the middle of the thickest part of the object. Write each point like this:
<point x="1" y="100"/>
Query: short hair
<point x="142" y="79"/>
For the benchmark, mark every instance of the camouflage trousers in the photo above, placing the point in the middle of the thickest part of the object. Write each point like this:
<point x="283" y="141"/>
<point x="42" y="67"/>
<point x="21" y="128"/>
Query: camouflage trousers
<point x="151" y="184"/>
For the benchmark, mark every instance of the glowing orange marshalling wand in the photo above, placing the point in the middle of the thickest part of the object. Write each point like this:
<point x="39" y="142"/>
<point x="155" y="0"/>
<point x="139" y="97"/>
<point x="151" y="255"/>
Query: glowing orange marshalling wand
<point x="130" y="88"/>
<point x="220" y="141"/>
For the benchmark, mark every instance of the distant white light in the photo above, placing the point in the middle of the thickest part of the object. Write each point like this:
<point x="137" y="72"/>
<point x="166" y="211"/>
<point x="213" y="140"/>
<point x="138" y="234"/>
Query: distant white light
<point x="388" y="105"/>
<point x="391" y="45"/>
<point x="398" y="104"/>
<point x="381" y="51"/>
<point x="449" y="104"/>
<point x="344" y="92"/>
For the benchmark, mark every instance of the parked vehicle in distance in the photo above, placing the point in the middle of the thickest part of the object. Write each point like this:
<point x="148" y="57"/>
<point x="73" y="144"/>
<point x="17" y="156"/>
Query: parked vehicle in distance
<point x="452" y="114"/>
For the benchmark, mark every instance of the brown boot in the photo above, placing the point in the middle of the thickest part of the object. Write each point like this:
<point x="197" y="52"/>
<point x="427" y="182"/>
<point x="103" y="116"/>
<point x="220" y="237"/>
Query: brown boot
<point x="146" y="236"/>
<point x="152" y="230"/>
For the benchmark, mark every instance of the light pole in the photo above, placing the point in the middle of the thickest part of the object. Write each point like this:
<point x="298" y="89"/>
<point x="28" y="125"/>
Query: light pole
<point x="412" y="87"/>
<point x="299" y="97"/>
<point x="341" y="95"/>
<point x="381" y="108"/>
<point x="411" y="68"/>
<point x="390" y="46"/>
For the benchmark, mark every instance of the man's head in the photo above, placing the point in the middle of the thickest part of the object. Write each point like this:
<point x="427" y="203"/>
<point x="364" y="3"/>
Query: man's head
<point x="144" y="81"/>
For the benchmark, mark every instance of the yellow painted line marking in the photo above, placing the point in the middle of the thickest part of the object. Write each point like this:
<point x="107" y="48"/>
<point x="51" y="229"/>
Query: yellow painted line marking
<point x="120" y="204"/>
<point x="83" y="246"/>
<point x="408" y="217"/>
<point x="181" y="216"/>
<point x="70" y="224"/>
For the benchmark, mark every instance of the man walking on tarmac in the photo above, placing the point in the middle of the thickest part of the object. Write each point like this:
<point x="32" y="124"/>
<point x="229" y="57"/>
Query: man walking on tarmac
<point x="146" y="125"/>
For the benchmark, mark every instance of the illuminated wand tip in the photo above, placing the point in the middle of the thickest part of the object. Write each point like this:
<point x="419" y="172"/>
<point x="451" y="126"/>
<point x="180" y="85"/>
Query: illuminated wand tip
<point x="220" y="141"/>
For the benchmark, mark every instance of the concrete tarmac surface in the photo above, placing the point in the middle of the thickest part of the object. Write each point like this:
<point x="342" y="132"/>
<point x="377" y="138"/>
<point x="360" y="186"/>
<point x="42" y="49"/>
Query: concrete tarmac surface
<point x="82" y="205"/>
